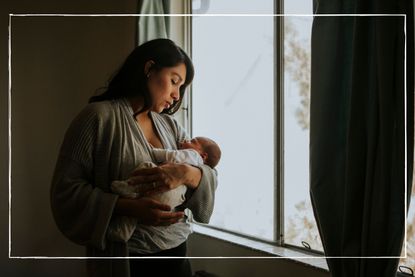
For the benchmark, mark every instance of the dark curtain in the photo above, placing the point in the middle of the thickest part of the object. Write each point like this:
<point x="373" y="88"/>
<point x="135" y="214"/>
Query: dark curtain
<point x="357" y="132"/>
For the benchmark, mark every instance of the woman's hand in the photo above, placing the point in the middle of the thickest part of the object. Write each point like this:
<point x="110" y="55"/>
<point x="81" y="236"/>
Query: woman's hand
<point x="166" y="177"/>
<point x="147" y="211"/>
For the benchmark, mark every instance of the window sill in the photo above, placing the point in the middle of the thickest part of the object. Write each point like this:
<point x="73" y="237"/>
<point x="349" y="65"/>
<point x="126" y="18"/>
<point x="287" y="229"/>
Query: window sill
<point x="271" y="251"/>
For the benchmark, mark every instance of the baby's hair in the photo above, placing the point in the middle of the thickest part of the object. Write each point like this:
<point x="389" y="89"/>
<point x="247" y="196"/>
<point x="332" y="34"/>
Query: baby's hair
<point x="213" y="151"/>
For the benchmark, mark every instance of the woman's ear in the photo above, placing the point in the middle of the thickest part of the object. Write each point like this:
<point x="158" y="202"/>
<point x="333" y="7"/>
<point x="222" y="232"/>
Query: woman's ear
<point x="147" y="67"/>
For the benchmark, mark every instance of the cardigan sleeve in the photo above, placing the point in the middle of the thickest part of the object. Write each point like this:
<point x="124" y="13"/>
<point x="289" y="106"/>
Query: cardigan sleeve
<point x="202" y="199"/>
<point x="82" y="211"/>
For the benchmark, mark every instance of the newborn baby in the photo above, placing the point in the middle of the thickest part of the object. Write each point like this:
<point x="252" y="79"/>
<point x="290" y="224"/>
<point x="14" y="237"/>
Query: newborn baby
<point x="198" y="151"/>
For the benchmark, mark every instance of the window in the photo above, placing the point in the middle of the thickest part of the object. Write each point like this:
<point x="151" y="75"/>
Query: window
<point x="234" y="102"/>
<point x="300" y="228"/>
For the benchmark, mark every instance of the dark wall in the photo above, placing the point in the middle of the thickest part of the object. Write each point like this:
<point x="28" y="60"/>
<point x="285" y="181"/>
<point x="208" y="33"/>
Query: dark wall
<point x="57" y="64"/>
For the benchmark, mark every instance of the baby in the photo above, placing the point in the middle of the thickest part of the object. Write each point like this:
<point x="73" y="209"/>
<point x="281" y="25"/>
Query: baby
<point x="198" y="151"/>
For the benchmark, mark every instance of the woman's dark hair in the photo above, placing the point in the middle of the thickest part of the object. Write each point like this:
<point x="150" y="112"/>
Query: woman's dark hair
<point x="131" y="80"/>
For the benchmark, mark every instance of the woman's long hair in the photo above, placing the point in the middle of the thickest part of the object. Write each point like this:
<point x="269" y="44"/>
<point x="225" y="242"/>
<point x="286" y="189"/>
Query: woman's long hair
<point x="131" y="80"/>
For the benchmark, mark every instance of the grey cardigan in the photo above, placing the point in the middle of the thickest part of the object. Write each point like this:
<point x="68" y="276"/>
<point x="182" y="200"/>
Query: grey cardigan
<point x="102" y="144"/>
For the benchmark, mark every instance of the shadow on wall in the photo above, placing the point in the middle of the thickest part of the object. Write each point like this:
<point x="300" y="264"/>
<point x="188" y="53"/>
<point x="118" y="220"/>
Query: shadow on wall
<point x="57" y="64"/>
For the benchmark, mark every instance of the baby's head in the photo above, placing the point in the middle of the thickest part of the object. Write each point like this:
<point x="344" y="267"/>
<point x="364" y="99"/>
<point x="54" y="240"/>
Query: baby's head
<point x="207" y="148"/>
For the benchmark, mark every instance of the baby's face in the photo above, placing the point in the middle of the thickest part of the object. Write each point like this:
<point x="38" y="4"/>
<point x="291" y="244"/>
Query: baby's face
<point x="195" y="143"/>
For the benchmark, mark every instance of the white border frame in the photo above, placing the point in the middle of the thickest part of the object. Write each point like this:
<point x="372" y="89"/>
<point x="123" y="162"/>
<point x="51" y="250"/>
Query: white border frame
<point x="199" y="15"/>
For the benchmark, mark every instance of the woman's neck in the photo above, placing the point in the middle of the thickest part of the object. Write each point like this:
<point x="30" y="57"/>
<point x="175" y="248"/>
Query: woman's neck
<point x="137" y="105"/>
<point x="144" y="120"/>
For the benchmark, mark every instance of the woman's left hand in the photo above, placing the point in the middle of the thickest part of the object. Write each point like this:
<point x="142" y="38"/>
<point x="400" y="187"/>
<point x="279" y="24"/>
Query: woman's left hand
<point x="166" y="177"/>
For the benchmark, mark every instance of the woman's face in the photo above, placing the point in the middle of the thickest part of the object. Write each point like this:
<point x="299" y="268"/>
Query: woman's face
<point x="164" y="86"/>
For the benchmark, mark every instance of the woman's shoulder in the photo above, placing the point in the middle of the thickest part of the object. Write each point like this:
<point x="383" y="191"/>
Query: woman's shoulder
<point x="101" y="110"/>
<point x="95" y="115"/>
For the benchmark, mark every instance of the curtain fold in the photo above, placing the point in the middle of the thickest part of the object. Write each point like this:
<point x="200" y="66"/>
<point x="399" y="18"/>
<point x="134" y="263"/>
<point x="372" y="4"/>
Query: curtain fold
<point x="152" y="27"/>
<point x="357" y="132"/>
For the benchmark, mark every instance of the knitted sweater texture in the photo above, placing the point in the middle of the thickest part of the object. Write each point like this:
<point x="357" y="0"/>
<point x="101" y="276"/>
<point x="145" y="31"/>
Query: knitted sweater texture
<point x="102" y="144"/>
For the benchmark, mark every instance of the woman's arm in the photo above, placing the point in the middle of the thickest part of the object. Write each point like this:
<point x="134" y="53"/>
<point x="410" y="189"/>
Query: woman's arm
<point x="82" y="211"/>
<point x="192" y="176"/>
<point x="201" y="182"/>
<point x="201" y="199"/>
<point x="166" y="177"/>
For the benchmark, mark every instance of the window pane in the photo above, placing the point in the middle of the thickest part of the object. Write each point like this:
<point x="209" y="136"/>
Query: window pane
<point x="300" y="224"/>
<point x="298" y="7"/>
<point x="233" y="104"/>
<point x="233" y="6"/>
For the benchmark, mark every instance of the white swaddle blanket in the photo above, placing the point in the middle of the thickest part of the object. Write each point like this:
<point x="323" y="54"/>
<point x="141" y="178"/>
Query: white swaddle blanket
<point x="124" y="229"/>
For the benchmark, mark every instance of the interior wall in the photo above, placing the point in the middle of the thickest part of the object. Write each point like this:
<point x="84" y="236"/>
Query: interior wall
<point x="57" y="64"/>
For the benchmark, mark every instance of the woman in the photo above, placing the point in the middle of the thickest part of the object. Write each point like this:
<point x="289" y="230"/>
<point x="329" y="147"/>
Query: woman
<point x="106" y="141"/>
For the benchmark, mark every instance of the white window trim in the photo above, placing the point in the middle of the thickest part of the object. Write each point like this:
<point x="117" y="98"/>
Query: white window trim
<point x="182" y="35"/>
<point x="316" y="261"/>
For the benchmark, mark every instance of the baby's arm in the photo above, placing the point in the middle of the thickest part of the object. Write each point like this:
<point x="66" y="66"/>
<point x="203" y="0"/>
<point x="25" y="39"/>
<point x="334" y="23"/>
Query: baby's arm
<point x="188" y="156"/>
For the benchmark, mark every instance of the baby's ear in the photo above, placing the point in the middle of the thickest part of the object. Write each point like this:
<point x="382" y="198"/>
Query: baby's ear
<point x="204" y="156"/>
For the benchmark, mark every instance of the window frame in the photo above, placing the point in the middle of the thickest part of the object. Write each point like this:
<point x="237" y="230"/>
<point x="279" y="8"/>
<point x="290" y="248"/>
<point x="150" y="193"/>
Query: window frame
<point x="185" y="117"/>
<point x="186" y="113"/>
